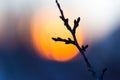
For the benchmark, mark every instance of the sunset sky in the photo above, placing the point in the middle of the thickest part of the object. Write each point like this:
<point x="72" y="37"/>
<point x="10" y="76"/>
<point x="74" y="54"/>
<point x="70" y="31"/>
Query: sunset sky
<point x="42" y="22"/>
<point x="27" y="26"/>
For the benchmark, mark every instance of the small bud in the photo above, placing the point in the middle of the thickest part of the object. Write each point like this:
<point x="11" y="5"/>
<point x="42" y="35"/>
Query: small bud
<point x="61" y="18"/>
<point x="69" y="39"/>
<point x="66" y="20"/>
<point x="75" y="21"/>
<point x="78" y="19"/>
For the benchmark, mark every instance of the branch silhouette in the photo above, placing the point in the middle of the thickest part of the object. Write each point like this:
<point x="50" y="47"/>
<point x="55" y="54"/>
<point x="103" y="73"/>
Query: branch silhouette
<point x="81" y="48"/>
<point x="69" y="41"/>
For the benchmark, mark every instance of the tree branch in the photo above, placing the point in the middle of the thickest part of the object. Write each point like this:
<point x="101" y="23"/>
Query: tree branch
<point x="69" y="41"/>
<point x="82" y="48"/>
<point x="76" y="24"/>
<point x="65" y="20"/>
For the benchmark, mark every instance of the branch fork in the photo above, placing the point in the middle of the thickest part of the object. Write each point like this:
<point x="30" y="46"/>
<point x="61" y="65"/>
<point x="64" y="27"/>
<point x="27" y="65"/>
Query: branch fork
<point x="82" y="49"/>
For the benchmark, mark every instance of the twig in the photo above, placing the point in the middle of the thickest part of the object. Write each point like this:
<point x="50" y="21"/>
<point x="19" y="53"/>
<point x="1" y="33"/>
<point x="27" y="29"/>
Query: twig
<point x="69" y="41"/>
<point x="82" y="48"/>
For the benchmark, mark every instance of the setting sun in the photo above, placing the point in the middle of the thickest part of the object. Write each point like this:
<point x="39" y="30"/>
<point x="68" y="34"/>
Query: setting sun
<point x="43" y="29"/>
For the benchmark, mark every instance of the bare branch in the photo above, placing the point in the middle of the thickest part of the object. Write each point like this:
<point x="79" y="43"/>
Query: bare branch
<point x="82" y="48"/>
<point x="76" y="24"/>
<point x="65" y="20"/>
<point x="61" y="11"/>
<point x="69" y="41"/>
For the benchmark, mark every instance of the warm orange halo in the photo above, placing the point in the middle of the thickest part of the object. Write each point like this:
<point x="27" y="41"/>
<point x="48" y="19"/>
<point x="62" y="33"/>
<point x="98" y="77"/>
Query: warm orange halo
<point x="43" y="30"/>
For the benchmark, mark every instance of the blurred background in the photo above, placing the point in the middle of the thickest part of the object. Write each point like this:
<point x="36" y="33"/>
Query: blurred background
<point x="28" y="53"/>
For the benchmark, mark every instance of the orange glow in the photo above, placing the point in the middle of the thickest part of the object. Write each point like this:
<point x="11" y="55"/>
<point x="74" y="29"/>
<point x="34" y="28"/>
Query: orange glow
<point x="43" y="30"/>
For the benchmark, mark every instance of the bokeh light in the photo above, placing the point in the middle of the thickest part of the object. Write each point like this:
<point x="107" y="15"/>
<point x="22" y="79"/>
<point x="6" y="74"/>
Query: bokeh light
<point x="43" y="28"/>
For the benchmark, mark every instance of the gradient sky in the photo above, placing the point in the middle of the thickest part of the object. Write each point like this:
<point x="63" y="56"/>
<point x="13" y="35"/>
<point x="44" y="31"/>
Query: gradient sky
<point x="97" y="16"/>
<point x="99" y="22"/>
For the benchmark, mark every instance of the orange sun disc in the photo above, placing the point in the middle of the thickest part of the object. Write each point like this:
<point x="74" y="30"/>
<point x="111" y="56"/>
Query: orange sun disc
<point x="43" y="29"/>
